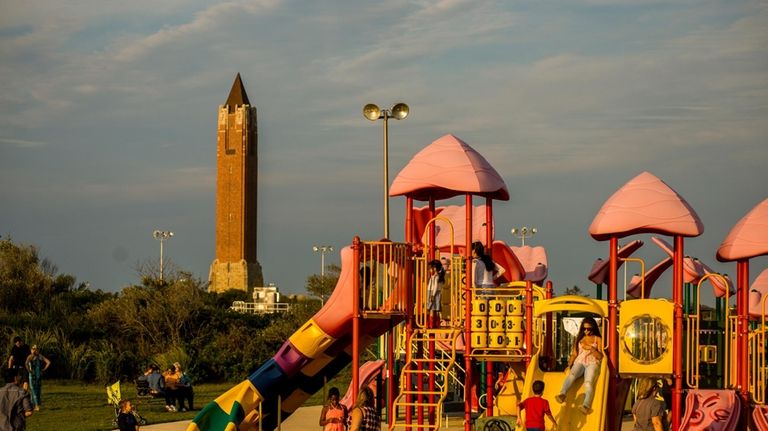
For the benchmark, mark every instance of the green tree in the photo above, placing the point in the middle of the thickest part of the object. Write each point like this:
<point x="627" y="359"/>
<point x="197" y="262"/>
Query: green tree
<point x="322" y="286"/>
<point x="576" y="290"/>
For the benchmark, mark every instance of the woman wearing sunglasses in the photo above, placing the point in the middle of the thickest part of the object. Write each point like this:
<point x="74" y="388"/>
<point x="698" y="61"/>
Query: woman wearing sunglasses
<point x="584" y="361"/>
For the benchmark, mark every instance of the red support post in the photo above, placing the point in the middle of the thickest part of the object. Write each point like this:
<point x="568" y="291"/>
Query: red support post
<point x="742" y="344"/>
<point x="677" y="353"/>
<point x="409" y="220"/>
<point x="528" y="322"/>
<point x="356" y="318"/>
<point x="489" y="371"/>
<point x="468" y="316"/>
<point x="429" y="324"/>
<point x="390" y="374"/>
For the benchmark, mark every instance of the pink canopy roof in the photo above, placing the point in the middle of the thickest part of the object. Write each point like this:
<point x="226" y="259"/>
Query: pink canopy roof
<point x="757" y="293"/>
<point x="446" y="168"/>
<point x="457" y="216"/>
<point x="748" y="238"/>
<point x="645" y="204"/>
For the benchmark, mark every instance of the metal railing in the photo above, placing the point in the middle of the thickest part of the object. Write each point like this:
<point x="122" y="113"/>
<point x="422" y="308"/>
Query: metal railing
<point x="259" y="308"/>
<point x="693" y="359"/>
<point x="758" y="369"/>
<point x="384" y="277"/>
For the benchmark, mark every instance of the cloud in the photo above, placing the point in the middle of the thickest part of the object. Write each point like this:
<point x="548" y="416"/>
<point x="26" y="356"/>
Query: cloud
<point x="21" y="143"/>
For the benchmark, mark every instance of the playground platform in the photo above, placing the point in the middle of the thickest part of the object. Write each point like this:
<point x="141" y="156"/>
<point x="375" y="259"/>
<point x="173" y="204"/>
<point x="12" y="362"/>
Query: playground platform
<point x="305" y="418"/>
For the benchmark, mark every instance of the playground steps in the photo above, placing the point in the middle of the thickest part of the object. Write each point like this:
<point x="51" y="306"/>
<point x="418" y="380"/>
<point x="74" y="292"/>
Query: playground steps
<point x="420" y="367"/>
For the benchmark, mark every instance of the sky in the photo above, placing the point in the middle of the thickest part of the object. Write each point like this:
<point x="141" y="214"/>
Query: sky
<point x="108" y="120"/>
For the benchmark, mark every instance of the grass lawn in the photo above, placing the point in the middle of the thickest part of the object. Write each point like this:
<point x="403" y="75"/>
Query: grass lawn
<point x="76" y="406"/>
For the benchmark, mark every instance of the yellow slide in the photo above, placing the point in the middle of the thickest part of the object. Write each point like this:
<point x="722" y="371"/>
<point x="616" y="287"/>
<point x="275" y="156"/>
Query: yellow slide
<point x="568" y="416"/>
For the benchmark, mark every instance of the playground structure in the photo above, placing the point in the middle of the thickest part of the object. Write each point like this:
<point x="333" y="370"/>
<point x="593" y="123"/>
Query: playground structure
<point x="718" y="358"/>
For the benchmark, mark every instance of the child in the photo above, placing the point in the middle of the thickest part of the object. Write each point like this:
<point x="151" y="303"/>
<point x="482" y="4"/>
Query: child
<point x="535" y="409"/>
<point x="126" y="420"/>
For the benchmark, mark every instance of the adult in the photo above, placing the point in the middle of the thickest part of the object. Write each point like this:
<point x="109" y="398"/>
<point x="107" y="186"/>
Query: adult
<point x="155" y="381"/>
<point x="18" y="357"/>
<point x="333" y="417"/>
<point x="184" y="390"/>
<point x="36" y="364"/>
<point x="364" y="417"/>
<point x="584" y="361"/>
<point x="648" y="412"/>
<point x="15" y="405"/>
<point x="435" y="286"/>
<point x="484" y="270"/>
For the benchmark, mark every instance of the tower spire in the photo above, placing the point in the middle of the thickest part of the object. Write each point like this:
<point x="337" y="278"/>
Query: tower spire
<point x="237" y="96"/>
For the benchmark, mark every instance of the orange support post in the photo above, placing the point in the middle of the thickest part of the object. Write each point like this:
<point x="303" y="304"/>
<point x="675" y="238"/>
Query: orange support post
<point x="356" y="319"/>
<point x="528" y="322"/>
<point x="550" y="330"/>
<point x="742" y="345"/>
<point x="613" y="336"/>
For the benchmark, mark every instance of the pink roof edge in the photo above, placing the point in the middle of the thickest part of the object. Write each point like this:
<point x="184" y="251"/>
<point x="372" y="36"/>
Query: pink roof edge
<point x="645" y="204"/>
<point x="748" y="238"/>
<point x="446" y="168"/>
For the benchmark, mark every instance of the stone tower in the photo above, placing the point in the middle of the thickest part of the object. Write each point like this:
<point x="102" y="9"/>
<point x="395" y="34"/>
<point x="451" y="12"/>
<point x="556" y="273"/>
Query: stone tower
<point x="235" y="265"/>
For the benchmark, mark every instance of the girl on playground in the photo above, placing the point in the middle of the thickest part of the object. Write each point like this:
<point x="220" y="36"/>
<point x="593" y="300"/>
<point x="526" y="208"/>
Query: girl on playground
<point x="584" y="361"/>
<point x="484" y="270"/>
<point x="364" y="417"/>
<point x="435" y="286"/>
<point x="334" y="414"/>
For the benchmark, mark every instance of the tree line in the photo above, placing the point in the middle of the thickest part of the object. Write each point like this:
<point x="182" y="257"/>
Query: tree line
<point x="93" y="335"/>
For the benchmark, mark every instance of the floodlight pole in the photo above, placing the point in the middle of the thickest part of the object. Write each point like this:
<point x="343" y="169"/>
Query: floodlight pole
<point x="162" y="236"/>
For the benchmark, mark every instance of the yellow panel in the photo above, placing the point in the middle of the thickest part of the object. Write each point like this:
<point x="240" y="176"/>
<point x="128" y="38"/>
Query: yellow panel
<point x="496" y="324"/>
<point x="497" y="340"/>
<point x="497" y="307"/>
<point x="515" y="339"/>
<point x="479" y="340"/>
<point x="310" y="340"/>
<point x="510" y="394"/>
<point x="244" y="393"/>
<point x="571" y="303"/>
<point x="479" y="323"/>
<point x="479" y="306"/>
<point x="515" y="307"/>
<point x="645" y="336"/>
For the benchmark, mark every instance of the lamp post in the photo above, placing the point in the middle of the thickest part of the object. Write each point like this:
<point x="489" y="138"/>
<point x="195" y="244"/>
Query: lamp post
<point x="162" y="236"/>
<point x="322" y="249"/>
<point x="524" y="232"/>
<point x="372" y="112"/>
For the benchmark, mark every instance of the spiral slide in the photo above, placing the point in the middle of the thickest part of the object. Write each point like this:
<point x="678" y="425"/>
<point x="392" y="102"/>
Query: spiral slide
<point x="317" y="351"/>
<point x="567" y="414"/>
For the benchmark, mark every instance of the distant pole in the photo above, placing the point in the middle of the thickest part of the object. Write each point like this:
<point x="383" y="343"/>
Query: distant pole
<point x="322" y="249"/>
<point x="523" y="233"/>
<point x="162" y="236"/>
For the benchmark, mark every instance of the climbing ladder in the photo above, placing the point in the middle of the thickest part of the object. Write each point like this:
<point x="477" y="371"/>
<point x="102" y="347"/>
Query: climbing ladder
<point x="417" y="401"/>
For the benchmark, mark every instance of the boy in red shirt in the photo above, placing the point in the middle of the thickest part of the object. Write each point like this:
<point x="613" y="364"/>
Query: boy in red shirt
<point x="535" y="409"/>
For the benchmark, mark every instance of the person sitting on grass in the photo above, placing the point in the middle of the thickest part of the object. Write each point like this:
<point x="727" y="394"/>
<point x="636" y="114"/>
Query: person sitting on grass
<point x="536" y="407"/>
<point x="126" y="420"/>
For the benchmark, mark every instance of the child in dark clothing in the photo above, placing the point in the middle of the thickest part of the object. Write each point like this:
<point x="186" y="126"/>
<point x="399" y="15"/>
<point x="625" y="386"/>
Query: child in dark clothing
<point x="535" y="409"/>
<point x="126" y="420"/>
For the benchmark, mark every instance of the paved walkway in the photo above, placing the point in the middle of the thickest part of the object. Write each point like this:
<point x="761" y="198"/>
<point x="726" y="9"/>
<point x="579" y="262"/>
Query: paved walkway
<point x="306" y="418"/>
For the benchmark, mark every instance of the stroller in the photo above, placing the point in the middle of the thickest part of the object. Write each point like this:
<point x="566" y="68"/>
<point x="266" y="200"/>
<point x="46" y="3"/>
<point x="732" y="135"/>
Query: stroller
<point x="114" y="397"/>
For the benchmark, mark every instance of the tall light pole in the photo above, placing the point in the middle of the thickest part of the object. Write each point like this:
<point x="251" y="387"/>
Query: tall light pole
<point x="524" y="232"/>
<point x="322" y="249"/>
<point x="372" y="112"/>
<point x="162" y="236"/>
